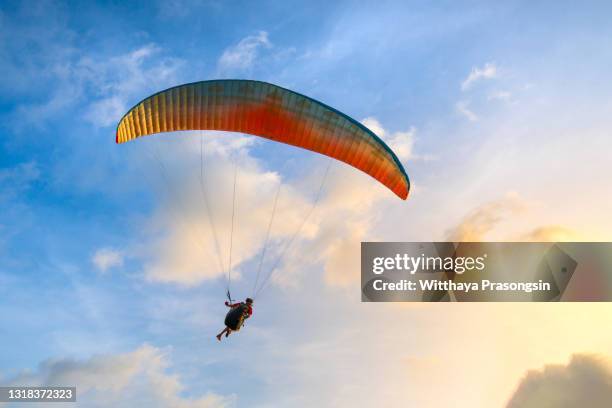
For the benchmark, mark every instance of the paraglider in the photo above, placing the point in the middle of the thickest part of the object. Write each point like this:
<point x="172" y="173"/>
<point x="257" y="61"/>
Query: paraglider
<point x="235" y="318"/>
<point x="272" y="112"/>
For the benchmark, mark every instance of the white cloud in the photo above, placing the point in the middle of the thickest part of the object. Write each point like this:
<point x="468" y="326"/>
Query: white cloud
<point x="106" y="112"/>
<point x="400" y="142"/>
<point x="137" y="378"/>
<point x="242" y="55"/>
<point x="107" y="258"/>
<point x="586" y="381"/>
<point x="102" y="84"/>
<point x="374" y="125"/>
<point x="124" y="78"/>
<point x="462" y="108"/>
<point x="488" y="71"/>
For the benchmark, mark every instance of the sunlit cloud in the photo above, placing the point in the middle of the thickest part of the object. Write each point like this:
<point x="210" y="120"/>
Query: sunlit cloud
<point x="135" y="378"/>
<point x="490" y="221"/>
<point x="400" y="142"/>
<point x="196" y="237"/>
<point x="482" y="220"/>
<point x="585" y="381"/>
<point x="551" y="233"/>
<point x="203" y="216"/>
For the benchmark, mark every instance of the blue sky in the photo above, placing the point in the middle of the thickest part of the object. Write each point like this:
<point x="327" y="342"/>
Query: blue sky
<point x="502" y="113"/>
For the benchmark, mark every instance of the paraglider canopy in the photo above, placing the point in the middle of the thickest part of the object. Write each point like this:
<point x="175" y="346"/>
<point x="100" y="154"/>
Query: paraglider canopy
<point x="269" y="111"/>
